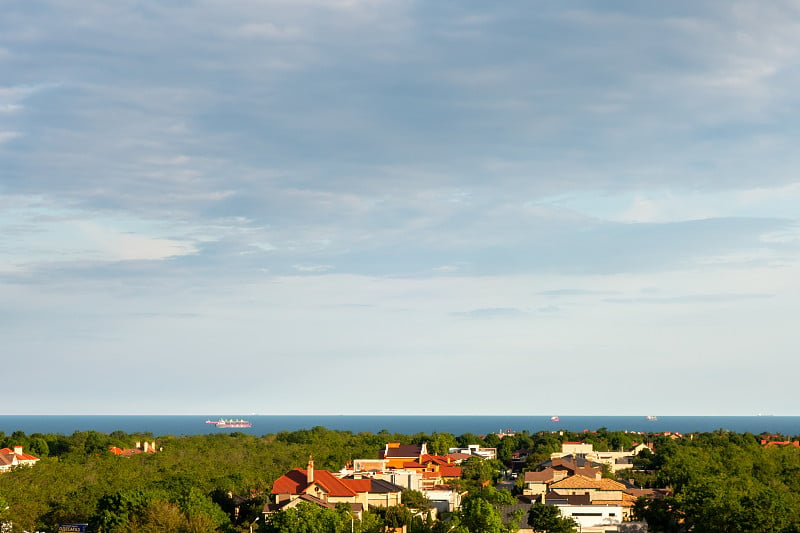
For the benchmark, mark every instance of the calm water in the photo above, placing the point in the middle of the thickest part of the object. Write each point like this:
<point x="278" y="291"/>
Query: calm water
<point x="195" y="425"/>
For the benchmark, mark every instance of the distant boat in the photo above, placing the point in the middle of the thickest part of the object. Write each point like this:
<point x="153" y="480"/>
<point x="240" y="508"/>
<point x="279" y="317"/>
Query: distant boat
<point x="651" y="417"/>
<point x="230" y="423"/>
<point x="554" y="419"/>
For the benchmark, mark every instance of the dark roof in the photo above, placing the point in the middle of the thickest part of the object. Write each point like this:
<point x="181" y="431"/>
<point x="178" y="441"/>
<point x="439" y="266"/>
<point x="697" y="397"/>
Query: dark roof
<point x="575" y="499"/>
<point x="272" y="507"/>
<point x="404" y="450"/>
<point x="569" y="462"/>
<point x="381" y="486"/>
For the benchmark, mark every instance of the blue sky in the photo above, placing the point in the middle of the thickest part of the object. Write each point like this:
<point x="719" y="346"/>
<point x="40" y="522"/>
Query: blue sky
<point x="366" y="206"/>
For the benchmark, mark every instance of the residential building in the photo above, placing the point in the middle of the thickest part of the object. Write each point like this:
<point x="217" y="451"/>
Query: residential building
<point x="315" y="486"/>
<point x="475" y="450"/>
<point x="9" y="458"/>
<point x="397" y="454"/>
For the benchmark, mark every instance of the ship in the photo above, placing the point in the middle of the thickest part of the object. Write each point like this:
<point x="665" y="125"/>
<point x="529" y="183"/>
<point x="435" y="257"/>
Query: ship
<point x="230" y="423"/>
<point x="554" y="419"/>
<point x="651" y="417"/>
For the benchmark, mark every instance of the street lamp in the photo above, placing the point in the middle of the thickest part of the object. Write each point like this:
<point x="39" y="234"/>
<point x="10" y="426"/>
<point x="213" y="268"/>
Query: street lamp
<point x="254" y="521"/>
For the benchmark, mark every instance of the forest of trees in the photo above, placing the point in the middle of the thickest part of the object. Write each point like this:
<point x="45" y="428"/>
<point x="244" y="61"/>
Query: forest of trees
<point x="719" y="481"/>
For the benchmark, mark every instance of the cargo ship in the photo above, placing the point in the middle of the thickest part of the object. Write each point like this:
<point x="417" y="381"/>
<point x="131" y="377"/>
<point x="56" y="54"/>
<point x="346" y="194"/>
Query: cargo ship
<point x="230" y="423"/>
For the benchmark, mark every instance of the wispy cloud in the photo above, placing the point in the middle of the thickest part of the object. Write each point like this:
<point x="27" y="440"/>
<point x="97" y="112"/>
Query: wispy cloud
<point x="689" y="299"/>
<point x="273" y="162"/>
<point x="491" y="313"/>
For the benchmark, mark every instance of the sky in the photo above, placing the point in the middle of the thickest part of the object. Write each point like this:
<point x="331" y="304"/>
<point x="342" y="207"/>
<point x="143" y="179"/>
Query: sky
<point x="400" y="207"/>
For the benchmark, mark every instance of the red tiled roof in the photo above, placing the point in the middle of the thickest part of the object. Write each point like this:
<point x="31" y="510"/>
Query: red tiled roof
<point x="450" y="471"/>
<point x="296" y="482"/>
<point x="358" y="485"/>
<point x="20" y="456"/>
<point x="437" y="459"/>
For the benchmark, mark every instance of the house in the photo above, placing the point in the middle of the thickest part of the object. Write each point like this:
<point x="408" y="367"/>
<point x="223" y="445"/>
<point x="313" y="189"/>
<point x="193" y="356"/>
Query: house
<point x="397" y="454"/>
<point x="598" y="489"/>
<point x="147" y="447"/>
<point x="601" y="491"/>
<point x="322" y="486"/>
<point x="575" y="448"/>
<point x="590" y="517"/>
<point x="616" y="461"/>
<point x="779" y="444"/>
<point x="537" y="483"/>
<point x="9" y="458"/>
<point x="475" y="450"/>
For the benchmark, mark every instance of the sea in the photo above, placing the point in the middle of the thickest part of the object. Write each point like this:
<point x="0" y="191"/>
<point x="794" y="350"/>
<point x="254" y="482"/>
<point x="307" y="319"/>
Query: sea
<point x="178" y="425"/>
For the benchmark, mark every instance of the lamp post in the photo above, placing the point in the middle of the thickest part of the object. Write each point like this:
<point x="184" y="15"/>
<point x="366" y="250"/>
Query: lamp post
<point x="254" y="521"/>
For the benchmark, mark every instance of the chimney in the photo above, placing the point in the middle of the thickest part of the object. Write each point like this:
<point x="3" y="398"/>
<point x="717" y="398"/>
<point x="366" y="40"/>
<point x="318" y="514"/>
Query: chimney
<point x="18" y="450"/>
<point x="310" y="470"/>
<point x="146" y="446"/>
<point x="153" y="447"/>
<point x="138" y="444"/>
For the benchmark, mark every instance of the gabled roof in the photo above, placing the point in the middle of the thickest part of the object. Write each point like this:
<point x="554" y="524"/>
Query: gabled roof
<point x="436" y="459"/>
<point x="569" y="462"/>
<point x="545" y="476"/>
<point x="458" y="456"/>
<point x="20" y="456"/>
<point x="450" y="471"/>
<point x="583" y="482"/>
<point x="402" y="451"/>
<point x="380" y="486"/>
<point x="358" y="485"/>
<point x="296" y="482"/>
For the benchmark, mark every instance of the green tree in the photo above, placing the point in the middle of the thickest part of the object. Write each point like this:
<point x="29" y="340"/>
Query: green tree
<point x="308" y="518"/>
<point x="548" y="518"/>
<point x="440" y="443"/>
<point x="480" y="516"/>
<point x="415" y="500"/>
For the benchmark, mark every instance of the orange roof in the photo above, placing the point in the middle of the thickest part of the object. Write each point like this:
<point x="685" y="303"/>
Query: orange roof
<point x="438" y="459"/>
<point x="296" y="482"/>
<point x="583" y="482"/>
<point x="621" y="503"/>
<point x="20" y="456"/>
<point x="357" y="485"/>
<point x="450" y="471"/>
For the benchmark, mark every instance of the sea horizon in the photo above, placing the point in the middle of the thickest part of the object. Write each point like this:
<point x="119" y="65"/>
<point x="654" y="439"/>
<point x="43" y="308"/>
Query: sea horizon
<point x="195" y="424"/>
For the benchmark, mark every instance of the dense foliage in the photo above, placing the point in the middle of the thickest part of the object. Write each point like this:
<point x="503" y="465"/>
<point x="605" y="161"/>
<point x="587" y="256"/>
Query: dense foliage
<point x="719" y="481"/>
<point x="725" y="482"/>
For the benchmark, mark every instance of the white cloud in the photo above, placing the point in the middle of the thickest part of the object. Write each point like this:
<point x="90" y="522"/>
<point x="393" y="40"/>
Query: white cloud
<point x="110" y="244"/>
<point x="313" y="268"/>
<point x="6" y="136"/>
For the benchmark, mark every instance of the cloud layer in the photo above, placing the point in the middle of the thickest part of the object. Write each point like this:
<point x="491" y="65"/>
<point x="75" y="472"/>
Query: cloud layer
<point x="328" y="188"/>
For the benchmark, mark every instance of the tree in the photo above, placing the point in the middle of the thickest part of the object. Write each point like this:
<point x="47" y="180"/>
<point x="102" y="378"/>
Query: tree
<point x="480" y="516"/>
<point x="308" y="518"/>
<point x="440" y="443"/>
<point x="548" y="518"/>
<point x="415" y="500"/>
